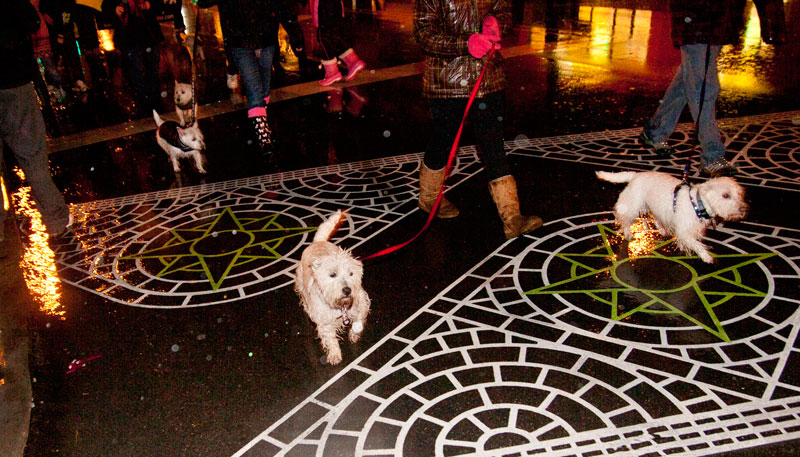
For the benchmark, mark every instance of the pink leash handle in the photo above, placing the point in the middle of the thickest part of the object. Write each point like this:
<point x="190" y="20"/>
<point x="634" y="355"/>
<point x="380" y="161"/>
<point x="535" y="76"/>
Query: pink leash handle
<point x="450" y="159"/>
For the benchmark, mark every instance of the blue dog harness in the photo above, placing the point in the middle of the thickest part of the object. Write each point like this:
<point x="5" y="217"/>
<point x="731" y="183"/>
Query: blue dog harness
<point x="699" y="207"/>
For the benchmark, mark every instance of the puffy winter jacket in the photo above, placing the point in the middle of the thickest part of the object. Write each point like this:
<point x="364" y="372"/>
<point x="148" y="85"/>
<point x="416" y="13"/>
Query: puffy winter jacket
<point x="442" y="28"/>
<point x="707" y="21"/>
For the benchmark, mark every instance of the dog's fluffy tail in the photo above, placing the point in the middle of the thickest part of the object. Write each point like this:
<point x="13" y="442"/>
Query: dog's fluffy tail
<point x="157" y="118"/>
<point x="620" y="177"/>
<point x="330" y="226"/>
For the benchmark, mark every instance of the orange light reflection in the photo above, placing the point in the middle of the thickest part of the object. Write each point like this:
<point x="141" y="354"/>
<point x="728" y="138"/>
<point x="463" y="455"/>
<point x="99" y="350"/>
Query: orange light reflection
<point x="38" y="260"/>
<point x="645" y="239"/>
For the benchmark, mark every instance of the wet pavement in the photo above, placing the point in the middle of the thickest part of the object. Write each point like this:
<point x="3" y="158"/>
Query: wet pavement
<point x="167" y="324"/>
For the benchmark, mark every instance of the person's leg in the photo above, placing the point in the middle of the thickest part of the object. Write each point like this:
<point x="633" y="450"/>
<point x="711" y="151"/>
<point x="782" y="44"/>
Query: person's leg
<point x="265" y="57"/>
<point x="446" y="115"/>
<point x="133" y="62"/>
<point x="152" y="59"/>
<point x="661" y="125"/>
<point x="696" y="75"/>
<point x="248" y="66"/>
<point x="23" y="131"/>
<point x="486" y="115"/>
<point x="247" y="61"/>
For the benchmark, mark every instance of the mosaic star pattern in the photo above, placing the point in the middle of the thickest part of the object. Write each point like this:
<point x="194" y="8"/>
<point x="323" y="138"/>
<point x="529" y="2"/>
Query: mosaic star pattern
<point x="487" y="369"/>
<point x="765" y="148"/>
<point x="158" y="250"/>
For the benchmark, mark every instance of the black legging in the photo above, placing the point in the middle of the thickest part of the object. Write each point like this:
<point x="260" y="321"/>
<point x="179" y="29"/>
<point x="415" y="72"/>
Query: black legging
<point x="485" y="117"/>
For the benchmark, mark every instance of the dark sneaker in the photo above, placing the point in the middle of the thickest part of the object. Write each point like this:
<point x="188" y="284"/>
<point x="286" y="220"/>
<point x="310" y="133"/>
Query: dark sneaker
<point x="719" y="167"/>
<point x="661" y="148"/>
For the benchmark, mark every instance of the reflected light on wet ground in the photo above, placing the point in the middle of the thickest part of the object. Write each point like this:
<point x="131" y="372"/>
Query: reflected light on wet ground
<point x="37" y="263"/>
<point x="645" y="239"/>
<point x="611" y="26"/>
<point x="741" y="68"/>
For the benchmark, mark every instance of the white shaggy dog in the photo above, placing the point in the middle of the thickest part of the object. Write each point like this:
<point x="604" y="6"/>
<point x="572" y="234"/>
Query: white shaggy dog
<point x="679" y="209"/>
<point x="180" y="142"/>
<point x="328" y="282"/>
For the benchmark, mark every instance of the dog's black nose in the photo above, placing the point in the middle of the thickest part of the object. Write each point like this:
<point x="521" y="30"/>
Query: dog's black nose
<point x="346" y="291"/>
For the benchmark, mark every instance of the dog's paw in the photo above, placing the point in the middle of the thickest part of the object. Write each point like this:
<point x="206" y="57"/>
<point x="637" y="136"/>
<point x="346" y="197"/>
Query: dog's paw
<point x="334" y="356"/>
<point x="707" y="258"/>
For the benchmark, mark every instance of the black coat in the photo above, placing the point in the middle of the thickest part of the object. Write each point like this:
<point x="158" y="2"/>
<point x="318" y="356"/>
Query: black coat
<point x="18" y="21"/>
<point x="251" y="24"/>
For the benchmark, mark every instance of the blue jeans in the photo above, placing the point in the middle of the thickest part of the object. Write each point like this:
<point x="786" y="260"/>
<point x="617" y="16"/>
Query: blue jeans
<point x="685" y="89"/>
<point x="255" y="68"/>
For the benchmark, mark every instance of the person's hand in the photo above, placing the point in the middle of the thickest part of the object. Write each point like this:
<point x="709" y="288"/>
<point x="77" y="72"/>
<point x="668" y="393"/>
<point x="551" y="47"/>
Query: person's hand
<point x="479" y="45"/>
<point x="491" y="29"/>
<point x="120" y="10"/>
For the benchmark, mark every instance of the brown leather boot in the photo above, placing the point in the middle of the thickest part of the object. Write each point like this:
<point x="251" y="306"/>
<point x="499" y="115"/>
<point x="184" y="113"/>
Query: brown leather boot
<point x="430" y="181"/>
<point x="504" y="194"/>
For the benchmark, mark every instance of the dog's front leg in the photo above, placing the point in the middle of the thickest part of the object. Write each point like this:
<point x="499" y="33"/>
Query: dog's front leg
<point x="198" y="161"/>
<point x="690" y="244"/>
<point x="361" y="310"/>
<point x="175" y="164"/>
<point x="330" y="343"/>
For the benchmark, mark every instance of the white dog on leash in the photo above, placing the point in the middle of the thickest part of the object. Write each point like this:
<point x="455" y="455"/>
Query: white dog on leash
<point x="328" y="282"/>
<point x="678" y="208"/>
<point x="181" y="142"/>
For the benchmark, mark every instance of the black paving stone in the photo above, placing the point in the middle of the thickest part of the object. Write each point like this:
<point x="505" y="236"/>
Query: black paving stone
<point x="298" y="423"/>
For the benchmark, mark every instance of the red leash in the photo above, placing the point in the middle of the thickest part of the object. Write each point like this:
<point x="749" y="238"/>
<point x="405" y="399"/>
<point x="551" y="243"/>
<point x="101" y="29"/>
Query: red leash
<point x="452" y="156"/>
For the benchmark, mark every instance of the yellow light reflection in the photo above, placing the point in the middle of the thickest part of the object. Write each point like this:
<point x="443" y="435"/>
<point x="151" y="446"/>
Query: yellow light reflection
<point x="106" y="37"/>
<point x="4" y="193"/>
<point x="645" y="239"/>
<point x="38" y="260"/>
<point x="2" y="364"/>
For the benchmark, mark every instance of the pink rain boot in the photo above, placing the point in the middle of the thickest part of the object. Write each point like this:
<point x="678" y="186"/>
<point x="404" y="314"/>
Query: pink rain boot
<point x="354" y="64"/>
<point x="332" y="73"/>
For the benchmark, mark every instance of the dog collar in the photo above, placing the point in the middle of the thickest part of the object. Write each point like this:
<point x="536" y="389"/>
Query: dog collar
<point x="697" y="204"/>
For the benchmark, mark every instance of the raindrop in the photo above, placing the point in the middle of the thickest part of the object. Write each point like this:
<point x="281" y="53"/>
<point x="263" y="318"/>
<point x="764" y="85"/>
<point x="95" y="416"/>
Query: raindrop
<point x="500" y="118"/>
<point x="233" y="232"/>
<point x="149" y="50"/>
<point x="482" y="105"/>
<point x="91" y="169"/>
<point x="521" y="137"/>
<point x="175" y="348"/>
<point x="164" y="94"/>
<point x="208" y="357"/>
<point x="201" y="337"/>
<point x="796" y="120"/>
<point x="48" y="325"/>
<point x="214" y="234"/>
<point x="386" y="133"/>
<point x="219" y="320"/>
<point x="372" y="71"/>
<point x="141" y="398"/>
<point x="250" y="354"/>
<point x="230" y="348"/>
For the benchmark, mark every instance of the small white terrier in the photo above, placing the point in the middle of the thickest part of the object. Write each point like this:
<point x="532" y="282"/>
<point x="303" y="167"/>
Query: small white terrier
<point x="678" y="209"/>
<point x="181" y="142"/>
<point x="328" y="282"/>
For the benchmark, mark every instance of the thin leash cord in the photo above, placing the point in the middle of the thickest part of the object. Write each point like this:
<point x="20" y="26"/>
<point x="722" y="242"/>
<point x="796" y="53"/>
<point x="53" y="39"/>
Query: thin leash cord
<point x="447" y="169"/>
<point x="194" y="54"/>
<point x="699" y="113"/>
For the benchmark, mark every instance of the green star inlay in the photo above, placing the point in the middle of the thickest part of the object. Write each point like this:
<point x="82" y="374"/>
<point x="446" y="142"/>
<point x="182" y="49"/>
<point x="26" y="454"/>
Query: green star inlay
<point x="659" y="281"/>
<point x="218" y="246"/>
